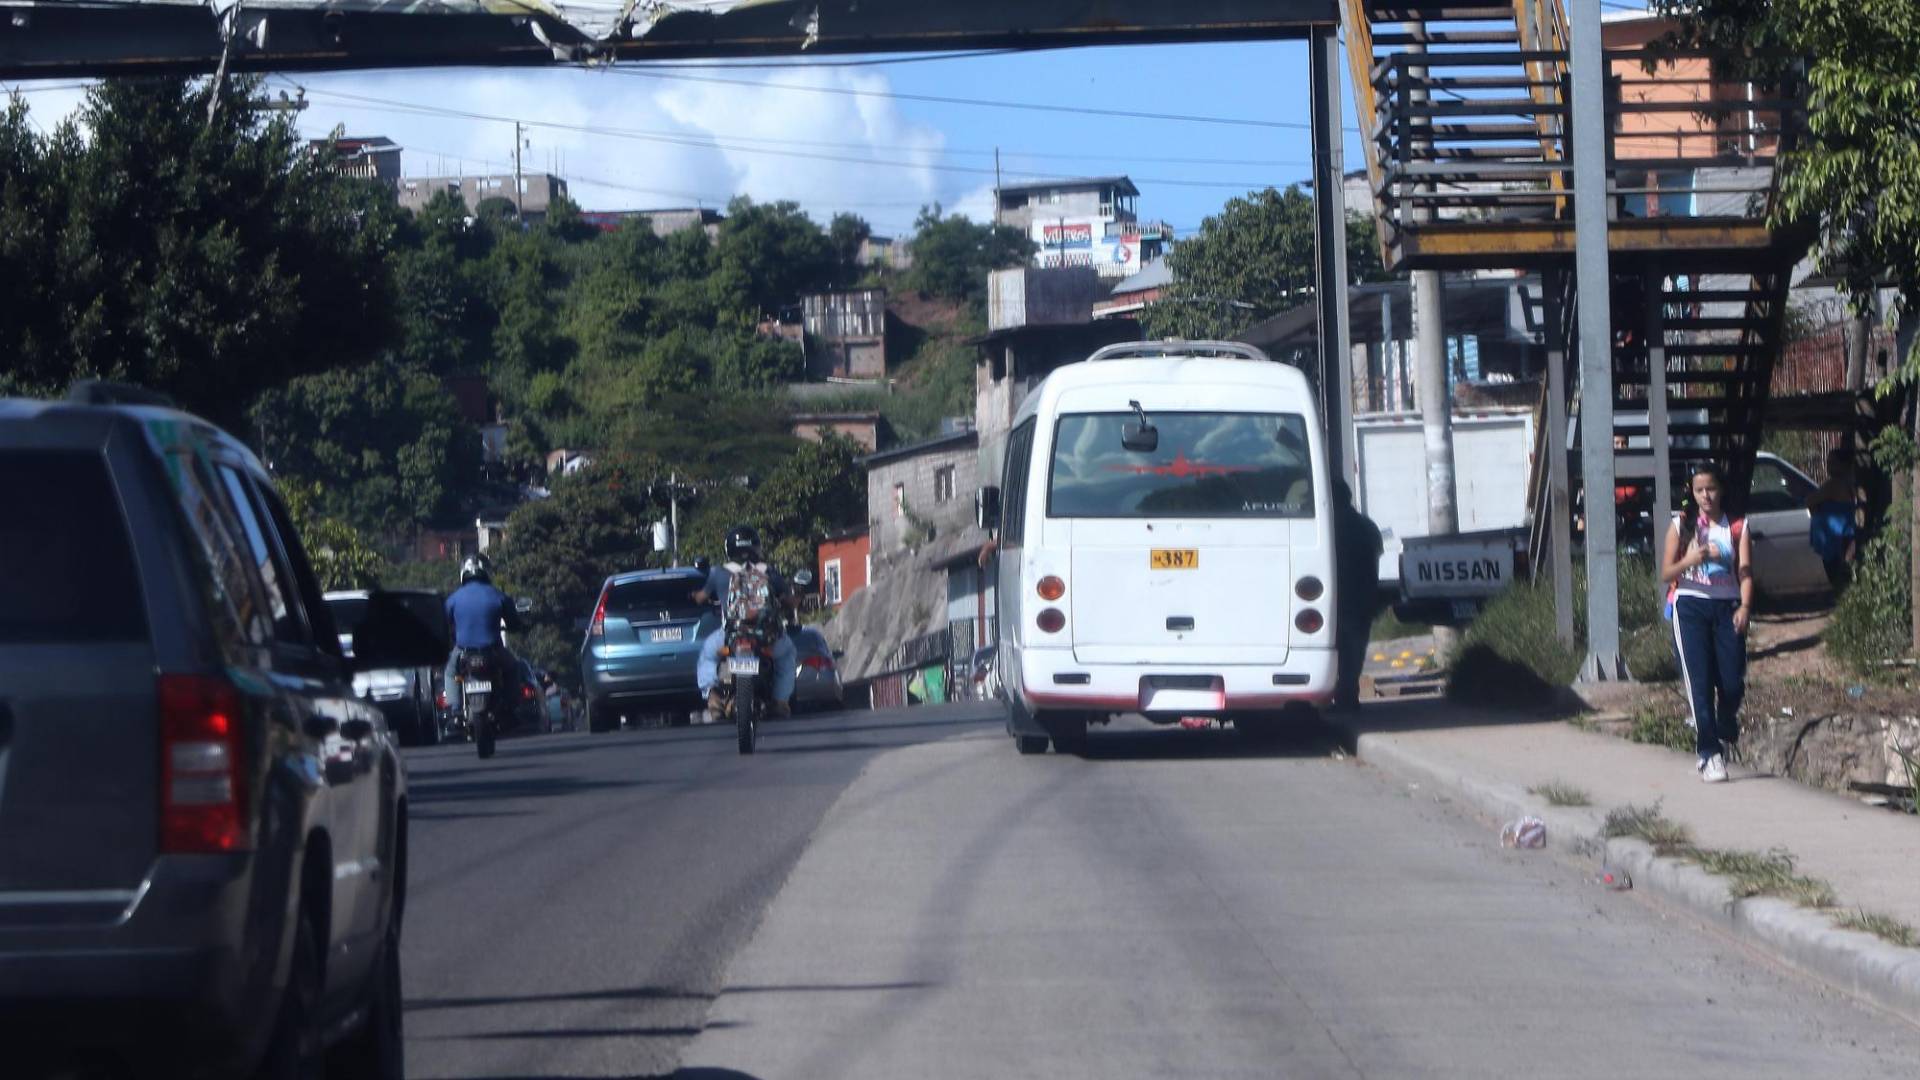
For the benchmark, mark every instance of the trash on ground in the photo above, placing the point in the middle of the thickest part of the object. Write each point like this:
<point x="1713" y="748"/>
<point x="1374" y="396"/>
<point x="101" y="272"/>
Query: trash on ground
<point x="1614" y="878"/>
<point x="1528" y="832"/>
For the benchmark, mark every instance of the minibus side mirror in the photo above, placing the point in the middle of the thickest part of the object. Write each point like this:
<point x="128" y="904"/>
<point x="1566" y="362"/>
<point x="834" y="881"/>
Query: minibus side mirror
<point x="986" y="507"/>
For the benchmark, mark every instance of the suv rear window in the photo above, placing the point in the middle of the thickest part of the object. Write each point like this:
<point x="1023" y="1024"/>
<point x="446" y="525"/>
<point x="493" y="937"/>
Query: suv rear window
<point x="661" y="600"/>
<point x="69" y="571"/>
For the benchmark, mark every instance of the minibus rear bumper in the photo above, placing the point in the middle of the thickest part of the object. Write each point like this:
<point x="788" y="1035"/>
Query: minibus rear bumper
<point x="1051" y="679"/>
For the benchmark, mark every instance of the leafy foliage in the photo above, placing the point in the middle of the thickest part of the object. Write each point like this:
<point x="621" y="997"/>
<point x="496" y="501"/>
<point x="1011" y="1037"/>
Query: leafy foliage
<point x="1871" y="620"/>
<point x="952" y="256"/>
<point x="342" y="558"/>
<point x="209" y="261"/>
<point x="1251" y="261"/>
<point x="381" y="445"/>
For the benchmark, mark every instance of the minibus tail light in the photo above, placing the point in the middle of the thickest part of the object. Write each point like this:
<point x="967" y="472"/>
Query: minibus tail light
<point x="1308" y="588"/>
<point x="1309" y="621"/>
<point x="1051" y="620"/>
<point x="1051" y="588"/>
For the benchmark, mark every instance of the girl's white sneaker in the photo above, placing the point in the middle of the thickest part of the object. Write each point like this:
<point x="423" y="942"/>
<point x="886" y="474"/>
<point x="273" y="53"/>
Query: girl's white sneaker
<point x="1715" y="771"/>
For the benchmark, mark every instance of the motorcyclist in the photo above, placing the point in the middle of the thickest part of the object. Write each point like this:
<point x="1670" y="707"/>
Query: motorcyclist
<point x="743" y="547"/>
<point x="477" y="611"/>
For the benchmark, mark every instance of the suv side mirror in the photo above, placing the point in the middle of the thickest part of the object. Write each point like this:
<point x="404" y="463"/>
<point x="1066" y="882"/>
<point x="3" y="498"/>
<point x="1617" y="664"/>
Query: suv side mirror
<point x="523" y="605"/>
<point x="803" y="579"/>
<point x="393" y="635"/>
<point x="986" y="507"/>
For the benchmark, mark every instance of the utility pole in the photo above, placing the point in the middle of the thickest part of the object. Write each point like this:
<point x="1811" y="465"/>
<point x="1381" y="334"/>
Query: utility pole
<point x="996" y="187"/>
<point x="673" y="515"/>
<point x="1433" y="389"/>
<point x="519" y="200"/>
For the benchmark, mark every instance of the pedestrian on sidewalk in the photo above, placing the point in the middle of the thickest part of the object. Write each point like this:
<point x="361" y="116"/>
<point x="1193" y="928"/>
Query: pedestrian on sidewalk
<point x="1356" y="557"/>
<point x="1707" y="564"/>
<point x="1833" y="506"/>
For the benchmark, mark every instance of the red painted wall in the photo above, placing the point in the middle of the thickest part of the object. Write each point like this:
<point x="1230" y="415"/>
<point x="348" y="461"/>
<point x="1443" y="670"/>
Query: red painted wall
<point x="852" y="553"/>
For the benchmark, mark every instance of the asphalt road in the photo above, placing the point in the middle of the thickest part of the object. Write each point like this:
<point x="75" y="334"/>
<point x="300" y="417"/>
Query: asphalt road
<point x="900" y="895"/>
<point x="573" y="902"/>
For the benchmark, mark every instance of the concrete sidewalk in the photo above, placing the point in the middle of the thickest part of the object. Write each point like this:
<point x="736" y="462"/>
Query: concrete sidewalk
<point x="1489" y="760"/>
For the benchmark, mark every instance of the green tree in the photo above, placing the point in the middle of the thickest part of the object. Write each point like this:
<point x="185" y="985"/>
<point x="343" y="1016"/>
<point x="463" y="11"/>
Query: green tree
<point x="768" y="255"/>
<point x="561" y="549"/>
<point x="1855" y="173"/>
<point x="205" y="260"/>
<point x="1253" y="260"/>
<point x="383" y="445"/>
<point x="952" y="256"/>
<point x="341" y="556"/>
<point x="847" y="232"/>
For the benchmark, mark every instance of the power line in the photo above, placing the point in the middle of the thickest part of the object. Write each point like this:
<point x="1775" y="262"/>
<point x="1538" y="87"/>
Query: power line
<point x="949" y="151"/>
<point x="712" y="144"/>
<point x="1030" y="106"/>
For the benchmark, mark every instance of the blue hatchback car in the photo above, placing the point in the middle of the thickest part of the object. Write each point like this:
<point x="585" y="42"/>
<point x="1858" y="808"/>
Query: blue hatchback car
<point x="642" y="644"/>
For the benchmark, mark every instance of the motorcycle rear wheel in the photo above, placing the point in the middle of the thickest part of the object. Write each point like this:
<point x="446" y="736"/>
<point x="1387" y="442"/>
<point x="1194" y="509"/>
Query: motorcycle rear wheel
<point x="746" y="707"/>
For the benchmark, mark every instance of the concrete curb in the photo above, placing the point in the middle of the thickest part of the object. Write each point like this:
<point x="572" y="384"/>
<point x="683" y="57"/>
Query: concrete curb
<point x="1852" y="961"/>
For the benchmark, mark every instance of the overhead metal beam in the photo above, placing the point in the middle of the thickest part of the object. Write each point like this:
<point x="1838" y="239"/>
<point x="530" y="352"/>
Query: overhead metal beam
<point x="71" y="40"/>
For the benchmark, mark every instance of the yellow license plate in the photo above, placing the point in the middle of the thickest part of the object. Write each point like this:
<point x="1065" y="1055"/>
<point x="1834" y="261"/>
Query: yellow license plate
<point x="1174" y="559"/>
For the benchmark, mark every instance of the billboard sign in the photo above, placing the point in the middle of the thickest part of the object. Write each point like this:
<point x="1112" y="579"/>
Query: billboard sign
<point x="1065" y="236"/>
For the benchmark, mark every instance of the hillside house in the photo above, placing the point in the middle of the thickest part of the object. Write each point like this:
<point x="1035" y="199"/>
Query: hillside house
<point x="919" y="492"/>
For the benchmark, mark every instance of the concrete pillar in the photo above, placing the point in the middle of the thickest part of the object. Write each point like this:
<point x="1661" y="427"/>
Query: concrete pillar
<point x="1591" y="207"/>
<point x="1330" y="242"/>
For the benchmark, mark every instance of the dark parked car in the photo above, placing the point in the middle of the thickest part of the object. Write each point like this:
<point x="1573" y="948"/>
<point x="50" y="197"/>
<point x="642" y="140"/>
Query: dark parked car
<point x="406" y="695"/>
<point x="203" y="836"/>
<point x="642" y="643"/>
<point x="817" y="683"/>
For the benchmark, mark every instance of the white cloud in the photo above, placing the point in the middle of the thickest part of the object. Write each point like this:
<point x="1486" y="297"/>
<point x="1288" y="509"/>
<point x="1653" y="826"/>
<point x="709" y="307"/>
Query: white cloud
<point x="631" y="142"/>
<point x="656" y="143"/>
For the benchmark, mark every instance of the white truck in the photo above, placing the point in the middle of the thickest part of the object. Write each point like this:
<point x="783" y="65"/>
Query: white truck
<point x="1492" y="460"/>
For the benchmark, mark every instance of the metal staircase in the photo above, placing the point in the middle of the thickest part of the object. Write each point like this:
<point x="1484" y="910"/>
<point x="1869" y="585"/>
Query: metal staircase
<point x="1467" y="108"/>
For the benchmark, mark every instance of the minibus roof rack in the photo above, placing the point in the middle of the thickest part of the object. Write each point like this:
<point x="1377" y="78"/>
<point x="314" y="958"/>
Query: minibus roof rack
<point x="1174" y="347"/>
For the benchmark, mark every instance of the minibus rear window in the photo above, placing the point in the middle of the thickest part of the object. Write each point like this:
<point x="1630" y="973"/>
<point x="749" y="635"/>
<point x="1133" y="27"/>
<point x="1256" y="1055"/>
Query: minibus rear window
<point x="1208" y="465"/>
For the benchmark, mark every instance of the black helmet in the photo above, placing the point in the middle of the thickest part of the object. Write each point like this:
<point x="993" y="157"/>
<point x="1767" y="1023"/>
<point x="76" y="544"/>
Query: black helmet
<point x="476" y="568"/>
<point x="703" y="564"/>
<point x="743" y="544"/>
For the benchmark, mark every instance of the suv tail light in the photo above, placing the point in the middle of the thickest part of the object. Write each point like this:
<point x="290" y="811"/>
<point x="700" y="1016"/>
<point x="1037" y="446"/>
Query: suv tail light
<point x="817" y="663"/>
<point x="598" y="628"/>
<point x="526" y="692"/>
<point x="203" y="804"/>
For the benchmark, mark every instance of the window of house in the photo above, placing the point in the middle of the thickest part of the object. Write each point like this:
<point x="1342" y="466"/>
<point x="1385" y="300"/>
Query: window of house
<point x="830" y="582"/>
<point x="943" y="484"/>
<point x="899" y="500"/>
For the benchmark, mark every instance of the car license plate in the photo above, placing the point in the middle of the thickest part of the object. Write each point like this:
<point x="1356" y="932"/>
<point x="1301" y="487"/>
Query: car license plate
<point x="1174" y="559"/>
<point x="479" y="688"/>
<point x="744" y="665"/>
<point x="672" y="634"/>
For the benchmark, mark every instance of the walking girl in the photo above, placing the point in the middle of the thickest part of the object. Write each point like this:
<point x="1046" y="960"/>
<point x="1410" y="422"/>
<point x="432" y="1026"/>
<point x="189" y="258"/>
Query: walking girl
<point x="1707" y="565"/>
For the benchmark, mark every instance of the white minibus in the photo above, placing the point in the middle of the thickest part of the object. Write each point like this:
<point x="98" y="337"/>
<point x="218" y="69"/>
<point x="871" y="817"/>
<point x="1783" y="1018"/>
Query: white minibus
<point x="1165" y="534"/>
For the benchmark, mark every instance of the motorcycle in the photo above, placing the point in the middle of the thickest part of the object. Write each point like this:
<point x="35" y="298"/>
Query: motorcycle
<point x="747" y="653"/>
<point x="486" y="697"/>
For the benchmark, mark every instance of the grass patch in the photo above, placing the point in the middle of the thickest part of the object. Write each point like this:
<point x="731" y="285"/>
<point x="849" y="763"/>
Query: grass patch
<point x="1388" y="626"/>
<point x="1561" y="793"/>
<point x="1656" y="726"/>
<point x="1768" y="873"/>
<point x="1885" y="927"/>
<point x="1512" y="656"/>
<point x="1665" y="835"/>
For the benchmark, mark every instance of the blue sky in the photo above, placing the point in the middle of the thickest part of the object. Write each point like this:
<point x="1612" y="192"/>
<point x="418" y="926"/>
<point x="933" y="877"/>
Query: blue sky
<point x="690" y="134"/>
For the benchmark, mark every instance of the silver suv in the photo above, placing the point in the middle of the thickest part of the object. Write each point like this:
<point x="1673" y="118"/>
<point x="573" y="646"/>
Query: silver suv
<point x="203" y="832"/>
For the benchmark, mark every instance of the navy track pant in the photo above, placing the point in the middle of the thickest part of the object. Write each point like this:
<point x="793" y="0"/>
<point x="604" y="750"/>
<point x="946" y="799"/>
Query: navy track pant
<point x="1713" y="668"/>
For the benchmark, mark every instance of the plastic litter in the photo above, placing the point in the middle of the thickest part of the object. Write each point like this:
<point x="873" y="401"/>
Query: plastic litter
<point x="1614" y="878"/>
<point x="1528" y="832"/>
<point x="1856" y="692"/>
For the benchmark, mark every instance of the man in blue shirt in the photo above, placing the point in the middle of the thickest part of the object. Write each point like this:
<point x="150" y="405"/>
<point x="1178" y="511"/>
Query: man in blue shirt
<point x="477" y="611"/>
<point x="743" y="547"/>
<point x="1831" y="531"/>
